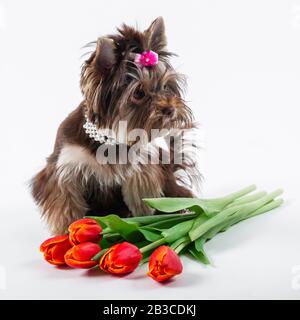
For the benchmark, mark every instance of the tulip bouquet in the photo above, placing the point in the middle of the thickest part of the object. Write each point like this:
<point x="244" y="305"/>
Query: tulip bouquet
<point x="118" y="246"/>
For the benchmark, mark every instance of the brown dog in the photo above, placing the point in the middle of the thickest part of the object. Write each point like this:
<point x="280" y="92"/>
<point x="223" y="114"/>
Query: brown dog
<point x="116" y="88"/>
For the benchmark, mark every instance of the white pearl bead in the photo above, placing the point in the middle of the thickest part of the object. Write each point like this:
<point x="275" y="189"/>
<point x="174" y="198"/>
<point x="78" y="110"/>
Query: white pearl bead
<point x="97" y="134"/>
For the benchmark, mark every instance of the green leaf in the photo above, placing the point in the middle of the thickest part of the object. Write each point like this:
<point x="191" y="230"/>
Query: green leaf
<point x="129" y="231"/>
<point x="98" y="220"/>
<point x="178" y="231"/>
<point x="150" y="234"/>
<point x="142" y="244"/>
<point x="168" y="223"/>
<point x="202" y="218"/>
<point x="108" y="242"/>
<point x="199" y="244"/>
<point x="172" y="204"/>
<point x="198" y="253"/>
<point x="208" y="206"/>
<point x="198" y="206"/>
<point x="145" y="220"/>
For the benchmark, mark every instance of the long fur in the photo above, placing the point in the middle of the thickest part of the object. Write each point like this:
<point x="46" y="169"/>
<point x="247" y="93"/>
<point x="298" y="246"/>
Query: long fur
<point x="116" y="89"/>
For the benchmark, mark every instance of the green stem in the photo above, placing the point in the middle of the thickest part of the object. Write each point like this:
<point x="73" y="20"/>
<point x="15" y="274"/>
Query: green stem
<point x="233" y="196"/>
<point x="178" y="242"/>
<point x="224" y="226"/>
<point x="232" y="212"/>
<point x="182" y="246"/>
<point x="153" y="245"/>
<point x="110" y="235"/>
<point x="144" y="260"/>
<point x="268" y="207"/>
<point x="255" y="205"/>
<point x="216" y="205"/>
<point x="212" y="222"/>
<point x="246" y="199"/>
<point x="99" y="255"/>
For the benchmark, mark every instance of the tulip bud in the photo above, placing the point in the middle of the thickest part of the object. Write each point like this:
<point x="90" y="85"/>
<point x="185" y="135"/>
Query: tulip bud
<point x="164" y="264"/>
<point x="80" y="255"/>
<point x="121" y="258"/>
<point x="55" y="248"/>
<point x="84" y="230"/>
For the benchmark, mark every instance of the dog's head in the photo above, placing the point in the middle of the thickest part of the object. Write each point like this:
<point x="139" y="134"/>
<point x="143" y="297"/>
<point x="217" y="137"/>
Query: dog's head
<point x="116" y="87"/>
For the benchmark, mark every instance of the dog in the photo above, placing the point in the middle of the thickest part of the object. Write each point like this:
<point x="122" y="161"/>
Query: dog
<point x="127" y="78"/>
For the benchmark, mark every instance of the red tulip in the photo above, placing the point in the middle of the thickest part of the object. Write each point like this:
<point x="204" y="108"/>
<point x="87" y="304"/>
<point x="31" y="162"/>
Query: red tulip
<point x="164" y="264"/>
<point x="80" y="255"/>
<point x="121" y="258"/>
<point x="55" y="248"/>
<point x="84" y="230"/>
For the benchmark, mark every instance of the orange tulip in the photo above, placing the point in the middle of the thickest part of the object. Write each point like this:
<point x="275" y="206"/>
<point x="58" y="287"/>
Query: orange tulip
<point x="80" y="255"/>
<point x="164" y="264"/>
<point x="55" y="248"/>
<point x="84" y="230"/>
<point x="121" y="258"/>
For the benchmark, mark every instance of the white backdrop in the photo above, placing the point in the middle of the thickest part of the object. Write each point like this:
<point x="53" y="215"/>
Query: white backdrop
<point x="242" y="63"/>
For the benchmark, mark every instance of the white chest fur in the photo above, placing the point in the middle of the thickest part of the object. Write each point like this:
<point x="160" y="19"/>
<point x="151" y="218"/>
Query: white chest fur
<point x="77" y="161"/>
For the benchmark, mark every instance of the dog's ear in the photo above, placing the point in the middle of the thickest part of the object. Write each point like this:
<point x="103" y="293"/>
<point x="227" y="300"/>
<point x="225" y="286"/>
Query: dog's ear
<point x="105" y="56"/>
<point x="156" y="38"/>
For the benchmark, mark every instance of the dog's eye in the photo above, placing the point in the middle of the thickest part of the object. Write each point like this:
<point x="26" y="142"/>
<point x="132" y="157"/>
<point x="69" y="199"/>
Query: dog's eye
<point x="166" y="88"/>
<point x="139" y="94"/>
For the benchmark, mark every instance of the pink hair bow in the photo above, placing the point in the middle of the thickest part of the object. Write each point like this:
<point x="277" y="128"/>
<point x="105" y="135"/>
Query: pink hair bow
<point x="147" y="58"/>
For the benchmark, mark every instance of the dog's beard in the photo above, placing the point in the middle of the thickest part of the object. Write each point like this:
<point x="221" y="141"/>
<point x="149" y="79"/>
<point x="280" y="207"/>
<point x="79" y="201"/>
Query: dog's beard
<point x="147" y="115"/>
<point x="124" y="126"/>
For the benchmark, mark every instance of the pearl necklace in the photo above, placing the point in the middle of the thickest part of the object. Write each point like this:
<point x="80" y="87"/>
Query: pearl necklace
<point x="97" y="134"/>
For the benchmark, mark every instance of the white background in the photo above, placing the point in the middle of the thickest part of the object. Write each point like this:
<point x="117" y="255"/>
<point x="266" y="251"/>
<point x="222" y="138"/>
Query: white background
<point x="242" y="59"/>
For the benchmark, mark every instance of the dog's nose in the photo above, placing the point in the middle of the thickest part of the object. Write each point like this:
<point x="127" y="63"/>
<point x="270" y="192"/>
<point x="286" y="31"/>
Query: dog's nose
<point x="168" y="111"/>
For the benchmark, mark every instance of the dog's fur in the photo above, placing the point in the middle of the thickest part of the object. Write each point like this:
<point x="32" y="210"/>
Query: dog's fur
<point x="114" y="89"/>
